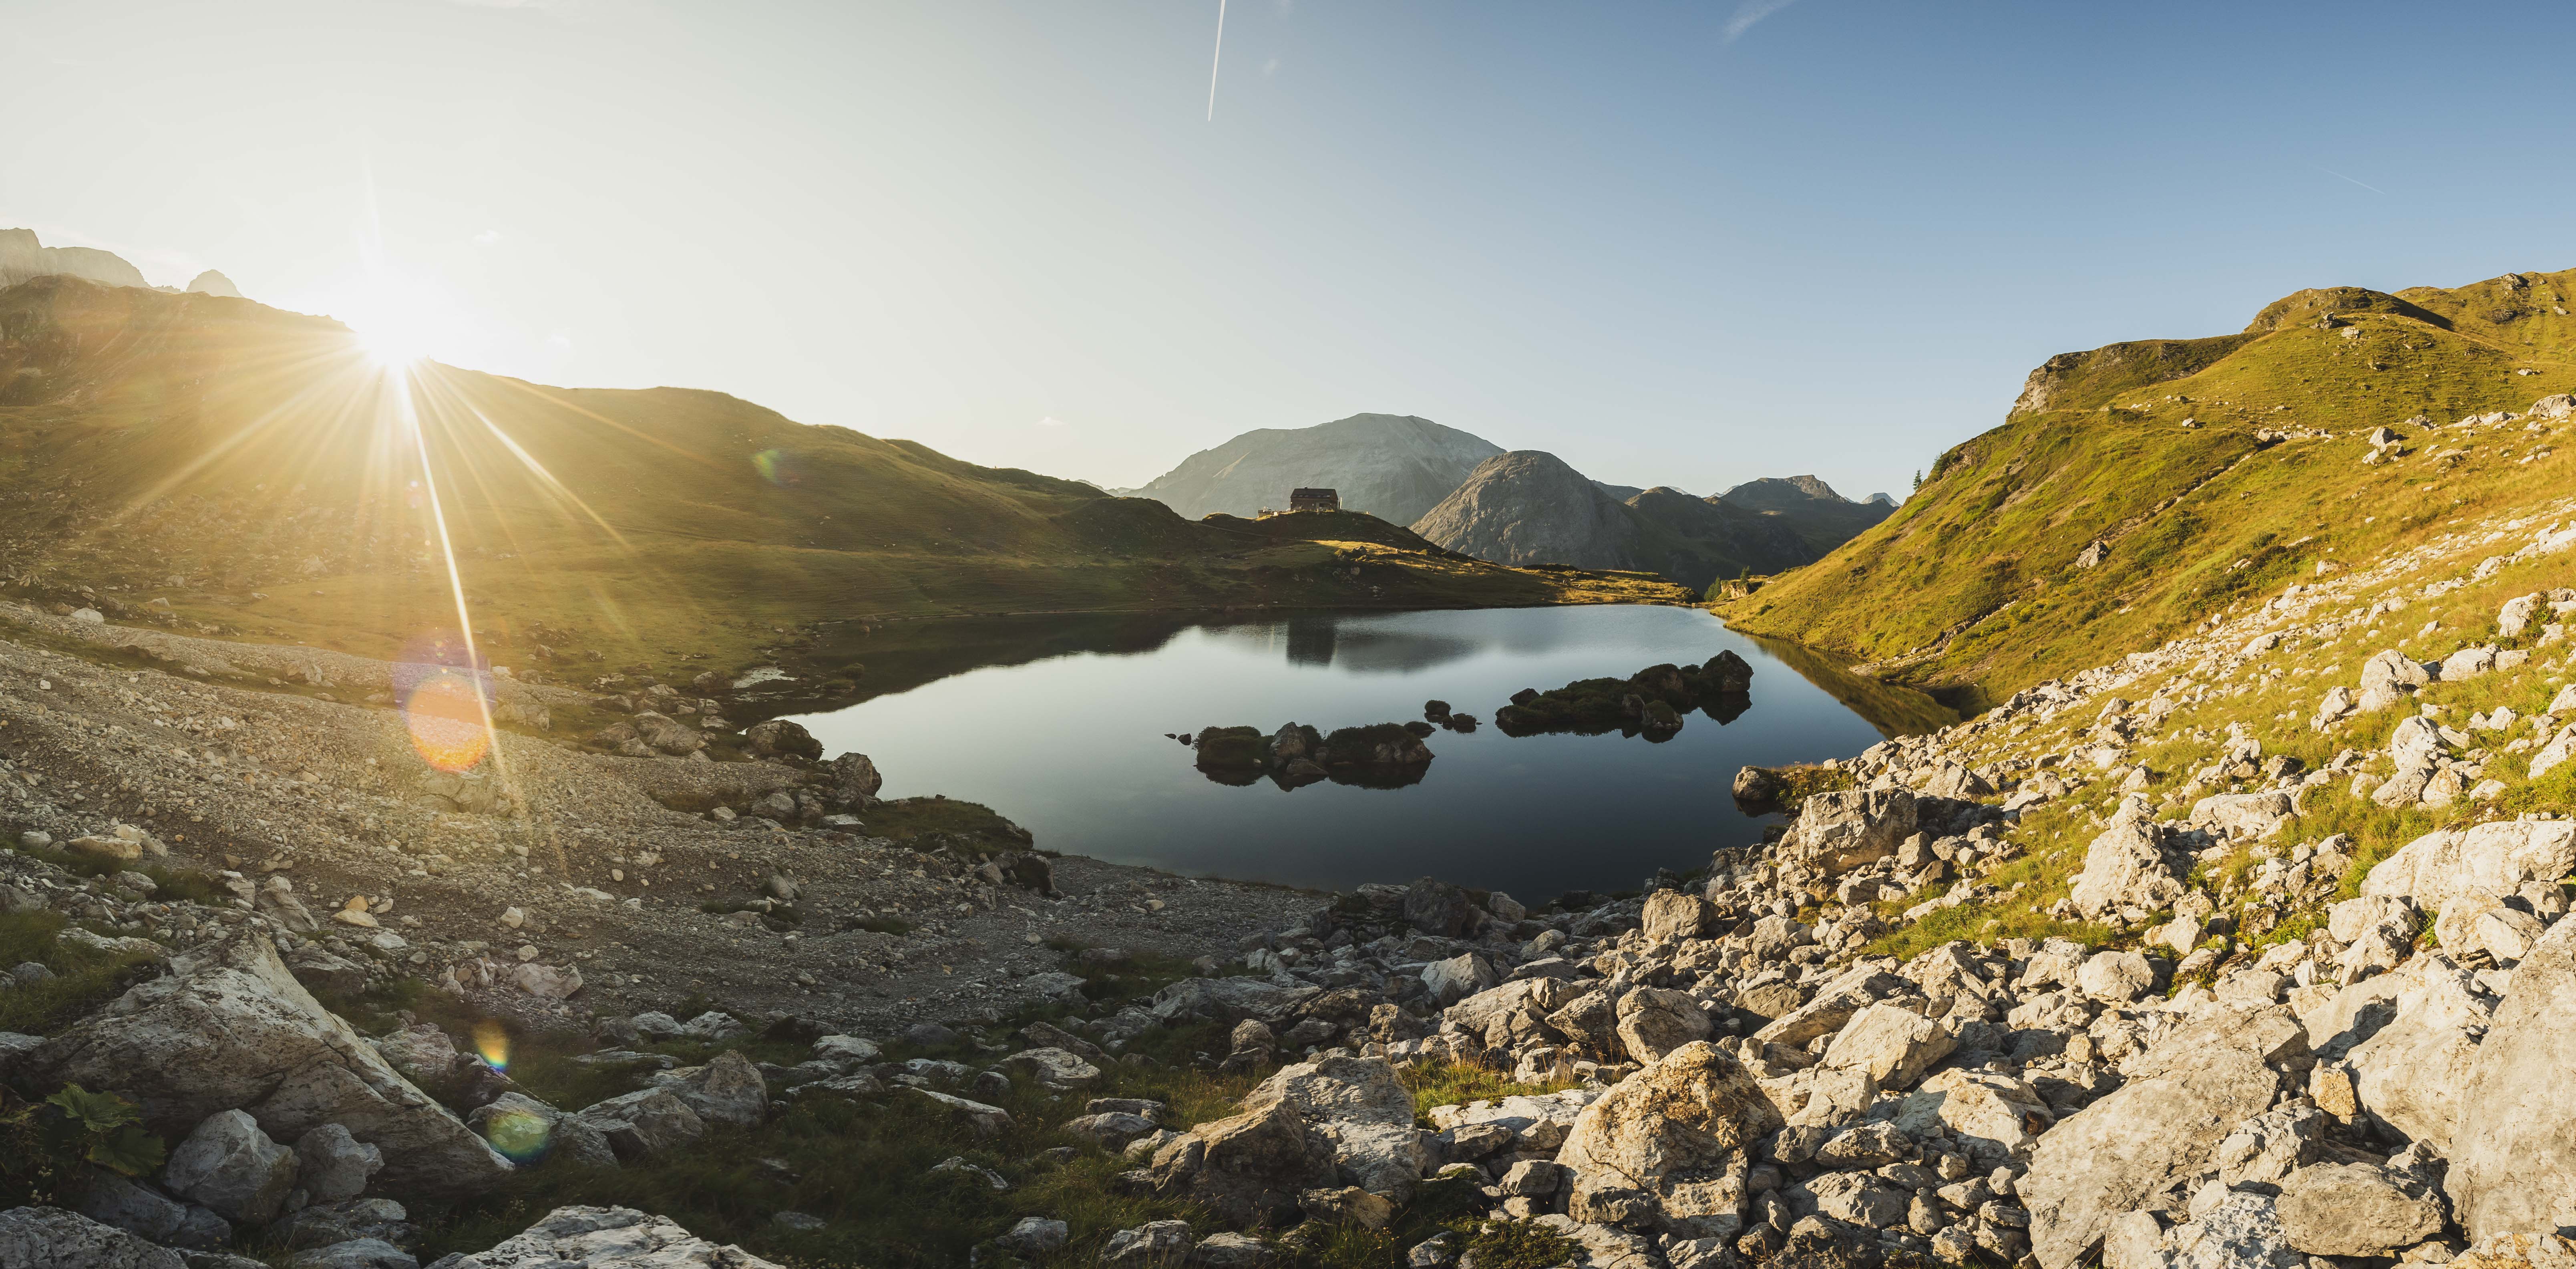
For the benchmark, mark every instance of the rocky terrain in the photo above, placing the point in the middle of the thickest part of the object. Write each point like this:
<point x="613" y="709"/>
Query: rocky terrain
<point x="2247" y="949"/>
<point x="1392" y="466"/>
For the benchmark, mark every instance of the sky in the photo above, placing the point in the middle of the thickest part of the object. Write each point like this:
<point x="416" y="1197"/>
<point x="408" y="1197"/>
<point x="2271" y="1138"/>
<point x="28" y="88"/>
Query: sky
<point x="1673" y="243"/>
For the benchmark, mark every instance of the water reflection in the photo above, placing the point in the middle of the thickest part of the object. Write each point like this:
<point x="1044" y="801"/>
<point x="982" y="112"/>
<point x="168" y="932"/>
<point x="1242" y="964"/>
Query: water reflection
<point x="1063" y="725"/>
<point x="1353" y="642"/>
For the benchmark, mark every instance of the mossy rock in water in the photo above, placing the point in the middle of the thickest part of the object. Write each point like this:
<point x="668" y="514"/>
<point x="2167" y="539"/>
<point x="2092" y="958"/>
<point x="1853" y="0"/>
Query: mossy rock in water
<point x="1653" y="700"/>
<point x="1376" y="745"/>
<point x="1233" y="749"/>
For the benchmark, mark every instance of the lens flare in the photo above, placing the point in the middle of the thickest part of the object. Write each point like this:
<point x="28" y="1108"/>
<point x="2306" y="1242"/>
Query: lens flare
<point x="493" y="1043"/>
<point x="522" y="1136"/>
<point x="444" y="714"/>
<point x="779" y="467"/>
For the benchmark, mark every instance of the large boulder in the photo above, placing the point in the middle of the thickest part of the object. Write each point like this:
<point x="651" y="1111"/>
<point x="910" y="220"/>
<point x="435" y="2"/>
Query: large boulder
<point x="2245" y="815"/>
<point x="2242" y="1231"/>
<point x="1671" y="915"/>
<point x="229" y="1028"/>
<point x="2412" y="1073"/>
<point x="2183" y="1098"/>
<point x="1833" y="1005"/>
<point x="1839" y="831"/>
<point x="2355" y="1209"/>
<point x="606" y="1238"/>
<point x="2391" y="670"/>
<point x="1249" y="1168"/>
<point x="1440" y="908"/>
<point x="1895" y="1045"/>
<point x="229" y="1165"/>
<point x="1654" y="1021"/>
<point x="779" y="738"/>
<point x="1360" y="1108"/>
<point x="2125" y="867"/>
<point x="1672" y="1143"/>
<point x="1458" y="977"/>
<point x="728" y="1090"/>
<point x="51" y="1238"/>
<point x="640" y="1124"/>
<point x="2513" y="1159"/>
<point x="855" y="780"/>
<point x="2494" y="858"/>
<point x="331" y="1165"/>
<point x="1995" y="1119"/>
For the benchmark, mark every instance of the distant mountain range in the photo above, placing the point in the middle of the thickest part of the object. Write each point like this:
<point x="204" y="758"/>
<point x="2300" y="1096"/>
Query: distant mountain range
<point x="1528" y="507"/>
<point x="24" y="258"/>
<point x="1466" y="493"/>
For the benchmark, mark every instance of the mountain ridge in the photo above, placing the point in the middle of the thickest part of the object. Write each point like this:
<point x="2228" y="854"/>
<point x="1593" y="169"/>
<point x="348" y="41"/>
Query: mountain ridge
<point x="2136" y="488"/>
<point x="229" y="459"/>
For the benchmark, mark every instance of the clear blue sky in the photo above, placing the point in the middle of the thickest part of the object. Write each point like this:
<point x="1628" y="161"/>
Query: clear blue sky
<point x="1682" y="243"/>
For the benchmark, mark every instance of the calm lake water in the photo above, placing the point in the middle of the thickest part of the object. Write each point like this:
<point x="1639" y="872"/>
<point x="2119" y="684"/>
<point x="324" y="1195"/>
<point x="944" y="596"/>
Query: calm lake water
<point x="1061" y="725"/>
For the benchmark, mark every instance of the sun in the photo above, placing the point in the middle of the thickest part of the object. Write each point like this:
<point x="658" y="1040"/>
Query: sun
<point x="400" y="320"/>
<point x="391" y="344"/>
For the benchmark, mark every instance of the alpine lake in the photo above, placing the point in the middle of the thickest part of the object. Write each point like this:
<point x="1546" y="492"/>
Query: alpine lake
<point x="1067" y="725"/>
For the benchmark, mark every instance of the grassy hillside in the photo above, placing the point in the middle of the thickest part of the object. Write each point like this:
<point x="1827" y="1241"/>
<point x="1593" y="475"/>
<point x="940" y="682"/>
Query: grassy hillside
<point x="2207" y="469"/>
<point x="256" y="475"/>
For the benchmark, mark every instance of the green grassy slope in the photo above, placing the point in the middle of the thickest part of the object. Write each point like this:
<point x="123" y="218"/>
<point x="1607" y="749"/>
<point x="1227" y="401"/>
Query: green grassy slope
<point x="1973" y="588"/>
<point x="202" y="451"/>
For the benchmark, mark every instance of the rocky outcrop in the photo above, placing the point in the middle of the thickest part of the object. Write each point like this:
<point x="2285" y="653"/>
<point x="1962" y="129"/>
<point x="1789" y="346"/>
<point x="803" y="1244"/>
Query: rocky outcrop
<point x="231" y="1029"/>
<point x="1839" y="831"/>
<point x="2513" y="1160"/>
<point x="606" y="1238"/>
<point x="2127" y="866"/>
<point x="2496" y="858"/>
<point x="1671" y="1145"/>
<point x="2187" y="1095"/>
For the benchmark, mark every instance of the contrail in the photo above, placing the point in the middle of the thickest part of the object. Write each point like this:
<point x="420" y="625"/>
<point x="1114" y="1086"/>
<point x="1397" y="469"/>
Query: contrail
<point x="2331" y="172"/>
<point x="1217" y="60"/>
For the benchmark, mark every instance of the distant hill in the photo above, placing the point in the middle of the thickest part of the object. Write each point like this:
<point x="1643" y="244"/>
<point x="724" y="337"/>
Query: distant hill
<point x="251" y="468"/>
<point x="2136" y="489"/>
<point x="213" y="283"/>
<point x="1821" y="518"/>
<point x="23" y="258"/>
<point x="1530" y="507"/>
<point x="1393" y="466"/>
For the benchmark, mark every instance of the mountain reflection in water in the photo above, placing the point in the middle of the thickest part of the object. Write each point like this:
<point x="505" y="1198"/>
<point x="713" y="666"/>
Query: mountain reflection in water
<point x="1063" y="725"/>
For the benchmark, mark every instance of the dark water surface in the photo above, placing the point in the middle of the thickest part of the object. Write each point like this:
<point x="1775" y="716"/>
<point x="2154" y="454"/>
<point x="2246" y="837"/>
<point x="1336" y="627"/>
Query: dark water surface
<point x="1059" y="723"/>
